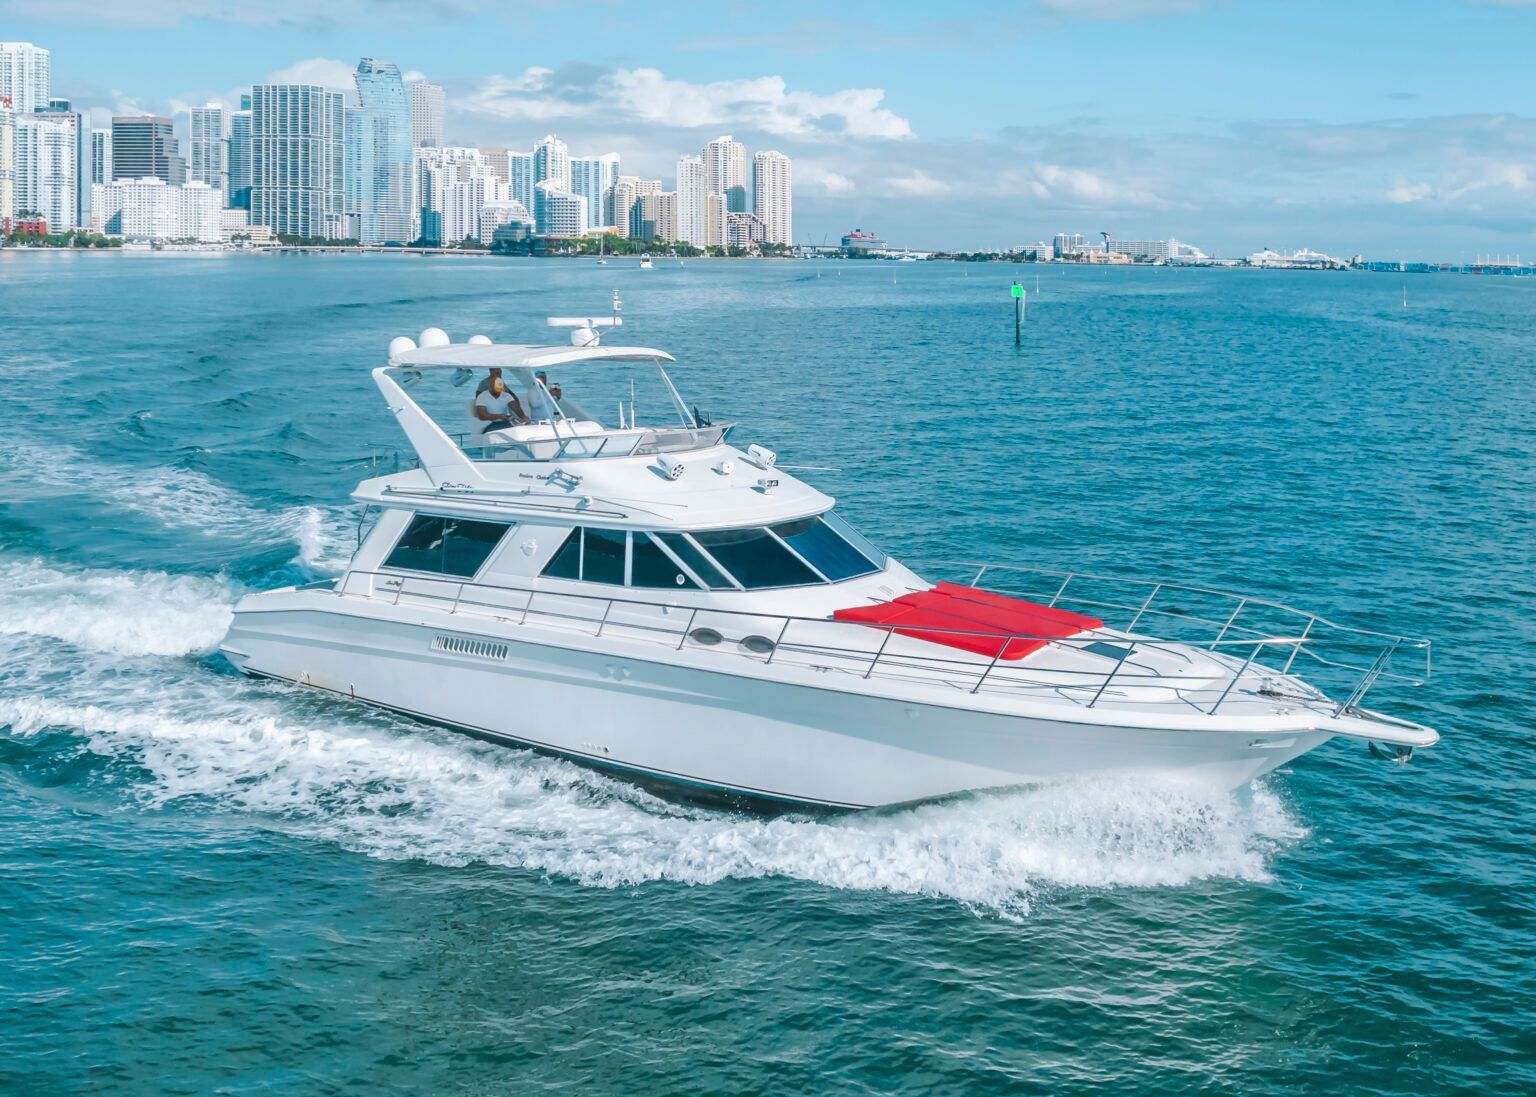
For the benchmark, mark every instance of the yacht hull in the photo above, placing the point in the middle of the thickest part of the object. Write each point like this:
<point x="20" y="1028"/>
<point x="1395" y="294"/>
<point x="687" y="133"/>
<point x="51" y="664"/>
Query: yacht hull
<point x="707" y="733"/>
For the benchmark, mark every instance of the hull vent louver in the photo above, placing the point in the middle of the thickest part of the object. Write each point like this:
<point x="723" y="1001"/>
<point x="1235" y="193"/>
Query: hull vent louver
<point x="459" y="645"/>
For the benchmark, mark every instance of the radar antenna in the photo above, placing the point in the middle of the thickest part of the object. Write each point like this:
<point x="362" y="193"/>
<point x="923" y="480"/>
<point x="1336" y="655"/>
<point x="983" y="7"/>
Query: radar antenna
<point x="587" y="331"/>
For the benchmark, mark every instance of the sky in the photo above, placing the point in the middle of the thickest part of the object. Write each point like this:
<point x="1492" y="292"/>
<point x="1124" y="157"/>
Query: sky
<point x="1392" y="128"/>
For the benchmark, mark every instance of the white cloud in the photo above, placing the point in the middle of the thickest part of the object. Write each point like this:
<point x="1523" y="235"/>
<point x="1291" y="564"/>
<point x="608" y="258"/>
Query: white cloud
<point x="1402" y="192"/>
<point x="814" y="178"/>
<point x="325" y="71"/>
<point x="918" y="185"/>
<point x="764" y="104"/>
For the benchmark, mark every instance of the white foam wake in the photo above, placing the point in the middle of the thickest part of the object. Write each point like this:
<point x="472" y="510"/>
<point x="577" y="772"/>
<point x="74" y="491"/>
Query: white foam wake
<point x="117" y="612"/>
<point x="396" y="790"/>
<point x="186" y="499"/>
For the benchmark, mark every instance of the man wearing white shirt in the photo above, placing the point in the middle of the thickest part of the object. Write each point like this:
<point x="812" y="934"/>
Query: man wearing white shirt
<point x="497" y="408"/>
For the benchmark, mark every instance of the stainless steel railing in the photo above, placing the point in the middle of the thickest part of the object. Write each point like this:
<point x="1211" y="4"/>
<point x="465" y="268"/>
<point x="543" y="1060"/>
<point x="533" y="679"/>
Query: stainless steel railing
<point x="850" y="647"/>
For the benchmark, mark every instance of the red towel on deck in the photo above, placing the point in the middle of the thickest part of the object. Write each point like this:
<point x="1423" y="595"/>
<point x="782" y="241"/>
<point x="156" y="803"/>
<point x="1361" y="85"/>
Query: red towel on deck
<point x="994" y="617"/>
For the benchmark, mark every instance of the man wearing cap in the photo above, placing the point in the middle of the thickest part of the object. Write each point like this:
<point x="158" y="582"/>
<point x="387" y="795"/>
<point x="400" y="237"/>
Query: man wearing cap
<point x="496" y="407"/>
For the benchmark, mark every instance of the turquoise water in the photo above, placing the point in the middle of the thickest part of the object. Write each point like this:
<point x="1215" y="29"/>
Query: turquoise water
<point x="211" y="884"/>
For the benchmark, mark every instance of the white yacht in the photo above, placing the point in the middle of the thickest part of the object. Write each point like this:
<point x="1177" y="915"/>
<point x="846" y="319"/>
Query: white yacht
<point x="652" y="599"/>
<point x="645" y="261"/>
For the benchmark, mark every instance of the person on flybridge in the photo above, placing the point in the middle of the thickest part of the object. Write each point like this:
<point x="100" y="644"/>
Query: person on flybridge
<point x="544" y="400"/>
<point x="496" y="406"/>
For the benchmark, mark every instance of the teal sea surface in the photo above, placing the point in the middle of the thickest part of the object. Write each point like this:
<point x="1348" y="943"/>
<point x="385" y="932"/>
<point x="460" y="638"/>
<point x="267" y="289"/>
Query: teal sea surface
<point x="215" y="885"/>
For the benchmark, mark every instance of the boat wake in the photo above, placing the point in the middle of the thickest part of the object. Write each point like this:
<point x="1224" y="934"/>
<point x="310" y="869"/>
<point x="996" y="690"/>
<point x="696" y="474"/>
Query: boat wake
<point x="182" y="737"/>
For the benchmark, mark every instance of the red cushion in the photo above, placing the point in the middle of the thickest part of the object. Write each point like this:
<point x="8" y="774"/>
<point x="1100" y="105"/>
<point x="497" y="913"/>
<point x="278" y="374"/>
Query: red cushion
<point x="984" y="621"/>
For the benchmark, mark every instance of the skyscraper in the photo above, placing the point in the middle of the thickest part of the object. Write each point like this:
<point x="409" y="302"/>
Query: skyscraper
<point x="592" y="178"/>
<point x="552" y="162"/>
<point x="520" y="177"/>
<point x="208" y="160"/>
<point x="773" y="196"/>
<point x="383" y="159"/>
<point x="24" y="76"/>
<point x="426" y="115"/>
<point x="101" y="156"/>
<point x="144" y="147"/>
<point x="297" y="143"/>
<point x="725" y="161"/>
<point x="692" y="186"/>
<point x="559" y="212"/>
<point x="454" y="185"/>
<point x="239" y="156"/>
<point x="47" y="168"/>
<point x="7" y="167"/>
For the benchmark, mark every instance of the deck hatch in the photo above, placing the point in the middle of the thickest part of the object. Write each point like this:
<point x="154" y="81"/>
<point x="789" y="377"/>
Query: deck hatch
<point x="462" y="645"/>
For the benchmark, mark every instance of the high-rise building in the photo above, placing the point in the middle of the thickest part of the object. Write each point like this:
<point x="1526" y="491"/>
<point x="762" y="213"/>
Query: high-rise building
<point x="743" y="230"/>
<point x="773" y="198"/>
<point x="7" y="167"/>
<point x="24" y="76"/>
<point x="520" y="177"/>
<point x="144" y="147"/>
<point x="552" y="162"/>
<point x="149" y="209"/>
<point x="101" y="156"/>
<point x="297" y="152"/>
<point x="501" y="162"/>
<point x="592" y="177"/>
<point x="692" y="186"/>
<point x="558" y="212"/>
<point x="208" y="149"/>
<point x="715" y="214"/>
<point x="506" y="211"/>
<point x="239" y="156"/>
<point x="725" y="162"/>
<point x="454" y="186"/>
<point x="657" y="217"/>
<point x="383" y="161"/>
<point x="426" y="115"/>
<point x="47" y="169"/>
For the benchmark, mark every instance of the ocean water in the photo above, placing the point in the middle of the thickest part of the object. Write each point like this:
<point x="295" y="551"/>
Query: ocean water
<point x="216" y="885"/>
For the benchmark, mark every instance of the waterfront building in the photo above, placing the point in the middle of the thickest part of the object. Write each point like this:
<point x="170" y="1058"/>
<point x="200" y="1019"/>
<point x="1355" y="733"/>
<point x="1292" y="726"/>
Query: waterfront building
<point x="625" y="203"/>
<point x="381" y="159"/>
<point x="500" y="213"/>
<point x="7" y="167"/>
<point x="520" y="177"/>
<point x="239" y="155"/>
<point x="1068" y="245"/>
<point x="692" y="186"/>
<point x="592" y="177"/>
<point x="151" y="209"/>
<point x="24" y="76"/>
<point x="101" y="156"/>
<point x="208" y="149"/>
<point x="773" y="197"/>
<point x="297" y="157"/>
<point x="426" y="115"/>
<point x="145" y="147"/>
<point x="453" y="186"/>
<point x="1153" y="251"/>
<point x="47" y="174"/>
<point x="715" y="213"/>
<point x="558" y="212"/>
<point x="552" y="163"/>
<point x="743" y="230"/>
<point x="657" y="217"/>
<point x="725" y="166"/>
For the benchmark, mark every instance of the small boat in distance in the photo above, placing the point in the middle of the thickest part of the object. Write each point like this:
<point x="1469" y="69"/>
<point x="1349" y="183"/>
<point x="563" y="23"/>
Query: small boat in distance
<point x="645" y="261"/>
<point x="656" y="601"/>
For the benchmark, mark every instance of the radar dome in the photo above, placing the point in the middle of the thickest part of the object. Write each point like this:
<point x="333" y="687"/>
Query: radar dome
<point x="480" y="340"/>
<point x="434" y="337"/>
<point x="400" y="344"/>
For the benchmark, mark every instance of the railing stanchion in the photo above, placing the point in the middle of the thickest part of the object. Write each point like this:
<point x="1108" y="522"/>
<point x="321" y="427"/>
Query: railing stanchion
<point x="1253" y="654"/>
<point x="527" y="606"/>
<point x="459" y="595"/>
<point x="1061" y="589"/>
<point x="688" y="628"/>
<point x="607" y="609"/>
<point x="1228" y="625"/>
<point x="782" y="630"/>
<point x="1124" y="654"/>
<point x="1143" y="608"/>
<point x="1300" y="640"/>
<point x="880" y="651"/>
<point x="1001" y="648"/>
<point x="979" y="573"/>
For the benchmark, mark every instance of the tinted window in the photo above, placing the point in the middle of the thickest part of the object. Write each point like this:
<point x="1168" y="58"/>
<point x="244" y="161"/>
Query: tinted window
<point x="824" y="549"/>
<point x="854" y="538"/>
<point x="603" y="556"/>
<point x="651" y="567"/>
<point x="755" y="558"/>
<point x="689" y="554"/>
<point x="448" y="546"/>
<point x="566" y="563"/>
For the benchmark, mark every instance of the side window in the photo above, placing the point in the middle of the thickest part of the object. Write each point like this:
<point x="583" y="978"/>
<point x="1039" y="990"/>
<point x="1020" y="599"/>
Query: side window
<point x="821" y="547"/>
<point x="651" y="567"/>
<point x="756" y="559"/>
<point x="566" y="563"/>
<point x="447" y="546"/>
<point x="686" y="551"/>
<point x="602" y="556"/>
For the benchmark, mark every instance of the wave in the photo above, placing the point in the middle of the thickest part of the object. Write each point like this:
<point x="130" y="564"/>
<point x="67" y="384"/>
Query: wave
<point x="186" y="499"/>
<point x="392" y="789"/>
<point x="115" y="612"/>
